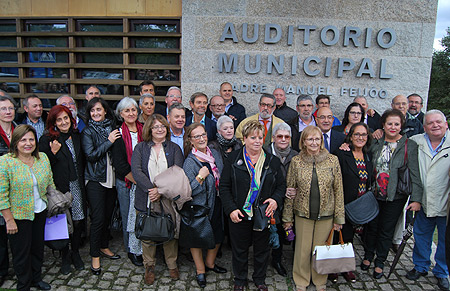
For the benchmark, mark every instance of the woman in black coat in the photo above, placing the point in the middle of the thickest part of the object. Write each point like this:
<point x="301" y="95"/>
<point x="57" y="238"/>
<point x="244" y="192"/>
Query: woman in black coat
<point x="62" y="144"/>
<point x="239" y="202"/>
<point x="357" y="171"/>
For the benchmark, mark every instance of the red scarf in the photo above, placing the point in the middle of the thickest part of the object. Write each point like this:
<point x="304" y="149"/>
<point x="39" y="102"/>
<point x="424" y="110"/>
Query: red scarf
<point x="3" y="134"/>
<point x="128" y="144"/>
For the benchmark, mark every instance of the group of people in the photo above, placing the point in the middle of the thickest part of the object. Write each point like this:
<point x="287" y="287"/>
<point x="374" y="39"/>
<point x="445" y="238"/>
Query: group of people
<point x="299" y="167"/>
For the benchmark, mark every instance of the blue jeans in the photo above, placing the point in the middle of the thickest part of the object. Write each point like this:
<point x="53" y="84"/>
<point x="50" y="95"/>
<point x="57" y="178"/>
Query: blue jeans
<point x="423" y="236"/>
<point x="123" y="195"/>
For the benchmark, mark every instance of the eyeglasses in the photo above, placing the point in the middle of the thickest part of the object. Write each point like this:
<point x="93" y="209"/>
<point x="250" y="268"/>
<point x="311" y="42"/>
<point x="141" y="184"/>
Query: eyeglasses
<point x="313" y="139"/>
<point x="265" y="105"/>
<point x="174" y="96"/>
<point x="280" y="136"/>
<point x="198" y="137"/>
<point x="400" y="104"/>
<point x="415" y="102"/>
<point x="355" y="113"/>
<point x="358" y="135"/>
<point x="68" y="104"/>
<point x="6" y="109"/>
<point x="323" y="117"/>
<point x="305" y="105"/>
<point x="156" y="127"/>
<point x="217" y="105"/>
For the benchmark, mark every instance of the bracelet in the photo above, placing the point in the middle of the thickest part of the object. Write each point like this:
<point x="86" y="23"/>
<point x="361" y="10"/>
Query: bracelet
<point x="201" y="178"/>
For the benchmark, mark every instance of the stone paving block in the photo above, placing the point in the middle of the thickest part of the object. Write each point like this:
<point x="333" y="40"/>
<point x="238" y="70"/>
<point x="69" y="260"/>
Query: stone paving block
<point x="104" y="284"/>
<point x="426" y="286"/>
<point x="75" y="282"/>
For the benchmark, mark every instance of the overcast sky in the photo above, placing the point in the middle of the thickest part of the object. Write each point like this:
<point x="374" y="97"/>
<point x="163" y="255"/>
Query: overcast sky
<point x="442" y="23"/>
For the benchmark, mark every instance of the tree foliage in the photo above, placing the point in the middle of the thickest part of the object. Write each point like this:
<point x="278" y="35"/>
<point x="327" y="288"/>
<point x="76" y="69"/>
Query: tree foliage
<point x="439" y="94"/>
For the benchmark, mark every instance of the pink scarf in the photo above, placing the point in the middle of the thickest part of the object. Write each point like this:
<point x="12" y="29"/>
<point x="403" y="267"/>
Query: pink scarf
<point x="208" y="157"/>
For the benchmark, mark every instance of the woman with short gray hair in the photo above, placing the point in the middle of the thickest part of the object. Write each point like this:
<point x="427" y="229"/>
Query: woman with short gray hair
<point x="226" y="139"/>
<point x="131" y="130"/>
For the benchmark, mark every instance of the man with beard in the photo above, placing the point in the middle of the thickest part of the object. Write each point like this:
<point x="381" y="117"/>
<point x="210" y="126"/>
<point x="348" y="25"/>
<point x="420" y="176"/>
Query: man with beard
<point x="305" y="108"/>
<point x="199" y="103"/>
<point x="68" y="101"/>
<point x="265" y="116"/>
<point x="415" y="104"/>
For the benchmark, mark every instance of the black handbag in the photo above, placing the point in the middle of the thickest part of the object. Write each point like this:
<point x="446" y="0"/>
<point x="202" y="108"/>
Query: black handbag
<point x="362" y="210"/>
<point x="116" y="220"/>
<point x="195" y="228"/>
<point x="404" y="185"/>
<point x="154" y="226"/>
<point x="260" y="220"/>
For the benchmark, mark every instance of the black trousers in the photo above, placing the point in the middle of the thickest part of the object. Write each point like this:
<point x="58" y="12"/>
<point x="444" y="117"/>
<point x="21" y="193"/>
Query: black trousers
<point x="101" y="203"/>
<point x="277" y="254"/>
<point x="242" y="237"/>
<point x="447" y="245"/>
<point x="27" y="248"/>
<point x="380" y="231"/>
<point x="4" y="258"/>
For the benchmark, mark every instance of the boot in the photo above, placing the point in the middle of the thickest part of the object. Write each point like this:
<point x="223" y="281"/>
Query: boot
<point x="66" y="261"/>
<point x="77" y="261"/>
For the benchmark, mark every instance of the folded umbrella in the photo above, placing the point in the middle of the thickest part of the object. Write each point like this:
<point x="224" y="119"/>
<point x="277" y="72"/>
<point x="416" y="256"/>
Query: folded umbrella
<point x="406" y="235"/>
<point x="274" y="239"/>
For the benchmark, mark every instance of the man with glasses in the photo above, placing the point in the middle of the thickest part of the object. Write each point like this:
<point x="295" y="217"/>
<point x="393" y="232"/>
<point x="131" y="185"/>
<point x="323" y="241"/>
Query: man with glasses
<point x="283" y="111"/>
<point x="305" y="108"/>
<point x="265" y="117"/>
<point x="173" y="96"/>
<point x="415" y="105"/>
<point x="324" y="101"/>
<point x="216" y="108"/>
<point x="412" y="126"/>
<point x="199" y="103"/>
<point x="332" y="138"/>
<point x="68" y="101"/>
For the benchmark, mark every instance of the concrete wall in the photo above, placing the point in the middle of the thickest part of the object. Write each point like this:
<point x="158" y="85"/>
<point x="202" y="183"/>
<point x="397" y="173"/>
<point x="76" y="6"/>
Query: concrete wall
<point x="407" y="61"/>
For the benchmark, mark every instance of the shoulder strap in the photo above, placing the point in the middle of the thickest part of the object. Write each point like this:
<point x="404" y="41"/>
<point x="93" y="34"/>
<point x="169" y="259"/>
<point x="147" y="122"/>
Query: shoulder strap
<point x="405" y="158"/>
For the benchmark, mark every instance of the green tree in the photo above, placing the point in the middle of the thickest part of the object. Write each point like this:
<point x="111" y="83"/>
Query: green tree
<point x="439" y="94"/>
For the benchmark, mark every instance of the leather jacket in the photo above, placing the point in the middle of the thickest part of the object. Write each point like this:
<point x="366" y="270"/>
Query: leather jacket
<point x="95" y="149"/>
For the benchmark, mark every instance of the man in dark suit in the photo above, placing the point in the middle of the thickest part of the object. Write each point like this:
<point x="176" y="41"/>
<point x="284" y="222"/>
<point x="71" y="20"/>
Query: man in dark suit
<point x="199" y="103"/>
<point x="372" y="120"/>
<point x="415" y="104"/>
<point x="332" y="139"/>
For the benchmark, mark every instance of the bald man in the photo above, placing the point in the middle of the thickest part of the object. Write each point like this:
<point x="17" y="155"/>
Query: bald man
<point x="412" y="126"/>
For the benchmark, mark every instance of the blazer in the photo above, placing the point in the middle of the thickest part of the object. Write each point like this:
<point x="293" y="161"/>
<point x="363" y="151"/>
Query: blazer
<point x="16" y="184"/>
<point x="293" y="123"/>
<point x="235" y="182"/>
<point x="62" y="164"/>
<point x="350" y="175"/>
<point x="374" y="122"/>
<point x="210" y="127"/>
<point x="139" y="168"/>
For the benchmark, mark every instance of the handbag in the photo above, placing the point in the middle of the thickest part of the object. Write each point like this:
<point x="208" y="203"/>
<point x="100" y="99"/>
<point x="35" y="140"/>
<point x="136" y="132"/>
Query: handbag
<point x="195" y="228"/>
<point x="260" y="220"/>
<point x="404" y="185"/>
<point x="154" y="226"/>
<point x="329" y="259"/>
<point x="56" y="232"/>
<point x="362" y="210"/>
<point x="116" y="220"/>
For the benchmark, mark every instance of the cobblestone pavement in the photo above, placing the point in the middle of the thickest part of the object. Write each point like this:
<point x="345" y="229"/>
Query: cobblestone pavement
<point x="122" y="275"/>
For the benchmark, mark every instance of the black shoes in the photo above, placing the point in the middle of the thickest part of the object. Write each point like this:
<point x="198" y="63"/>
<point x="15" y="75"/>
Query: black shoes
<point x="414" y="274"/>
<point x="216" y="269"/>
<point x="96" y="271"/>
<point x="364" y="267"/>
<point x="443" y="284"/>
<point x="113" y="257"/>
<point x="201" y="280"/>
<point x="41" y="285"/>
<point x="66" y="267"/>
<point x="135" y="259"/>
<point x="280" y="269"/>
<point x="377" y="275"/>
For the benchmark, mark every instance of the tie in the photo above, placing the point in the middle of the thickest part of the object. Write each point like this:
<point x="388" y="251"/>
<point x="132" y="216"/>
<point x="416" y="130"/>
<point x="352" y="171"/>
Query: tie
<point x="325" y="141"/>
<point x="265" y="129"/>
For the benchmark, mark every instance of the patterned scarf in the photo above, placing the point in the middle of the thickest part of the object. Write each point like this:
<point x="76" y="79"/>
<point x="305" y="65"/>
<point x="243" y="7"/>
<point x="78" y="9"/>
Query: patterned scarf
<point x="226" y="144"/>
<point x="103" y="128"/>
<point x="255" y="174"/>
<point x="208" y="157"/>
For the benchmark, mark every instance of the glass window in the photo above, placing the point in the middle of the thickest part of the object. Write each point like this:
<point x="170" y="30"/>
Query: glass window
<point x="167" y="59"/>
<point x="47" y="57"/>
<point x="155" y="42"/>
<point x="107" y="25"/>
<point x="46" y="42"/>
<point x="161" y="75"/>
<point x="10" y="87"/>
<point x="9" y="72"/>
<point x="100" y="58"/>
<point x="155" y="27"/>
<point x="47" y="73"/>
<point x="7" y="26"/>
<point x="160" y="90"/>
<point x="45" y="26"/>
<point x="91" y="41"/>
<point x="48" y="88"/>
<point x="8" y="57"/>
<point x="101" y="74"/>
<point x="8" y="41"/>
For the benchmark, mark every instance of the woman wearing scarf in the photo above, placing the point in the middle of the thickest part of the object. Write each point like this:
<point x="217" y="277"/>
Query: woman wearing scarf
<point x="122" y="150"/>
<point x="62" y="144"/>
<point x="203" y="167"/>
<point x="281" y="148"/>
<point x="250" y="175"/>
<point x="226" y="140"/>
<point x="98" y="138"/>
